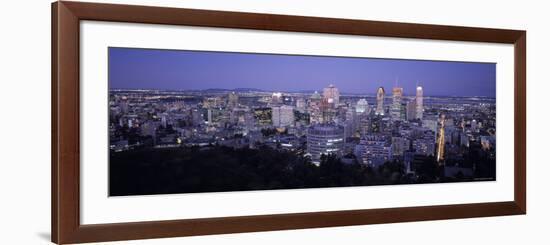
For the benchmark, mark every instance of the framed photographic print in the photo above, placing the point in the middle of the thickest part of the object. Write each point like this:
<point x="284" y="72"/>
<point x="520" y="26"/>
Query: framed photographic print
<point x="177" y="122"/>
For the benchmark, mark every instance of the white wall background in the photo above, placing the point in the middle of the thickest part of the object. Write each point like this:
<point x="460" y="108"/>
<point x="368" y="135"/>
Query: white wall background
<point x="25" y="121"/>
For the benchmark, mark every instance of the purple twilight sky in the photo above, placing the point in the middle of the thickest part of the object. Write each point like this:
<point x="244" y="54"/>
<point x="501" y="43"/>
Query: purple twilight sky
<point x="132" y="68"/>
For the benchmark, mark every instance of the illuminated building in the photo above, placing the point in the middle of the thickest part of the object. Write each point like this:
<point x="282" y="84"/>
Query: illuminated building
<point x="380" y="101"/>
<point x="324" y="139"/>
<point x="397" y="94"/>
<point x="362" y="106"/>
<point x="332" y="95"/>
<point x="364" y="125"/>
<point x="373" y="150"/>
<point x="419" y="101"/>
<point x="314" y="108"/>
<point x="282" y="116"/>
<point x="441" y="140"/>
<point x="327" y="111"/>
<point x="287" y="100"/>
<point x="209" y="115"/>
<point x="276" y="98"/>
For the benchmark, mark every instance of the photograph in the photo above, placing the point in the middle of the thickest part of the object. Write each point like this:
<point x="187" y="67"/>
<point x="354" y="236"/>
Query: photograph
<point x="275" y="122"/>
<point x="193" y="121"/>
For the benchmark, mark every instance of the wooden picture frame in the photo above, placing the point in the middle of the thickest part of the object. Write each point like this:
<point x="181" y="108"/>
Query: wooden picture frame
<point x="66" y="225"/>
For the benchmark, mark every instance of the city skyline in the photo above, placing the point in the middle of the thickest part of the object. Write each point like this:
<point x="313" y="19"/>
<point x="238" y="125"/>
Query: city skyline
<point x="182" y="136"/>
<point x="131" y="68"/>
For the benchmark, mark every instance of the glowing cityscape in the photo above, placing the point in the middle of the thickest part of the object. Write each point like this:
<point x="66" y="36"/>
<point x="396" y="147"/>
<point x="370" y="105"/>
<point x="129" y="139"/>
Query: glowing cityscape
<point x="235" y="139"/>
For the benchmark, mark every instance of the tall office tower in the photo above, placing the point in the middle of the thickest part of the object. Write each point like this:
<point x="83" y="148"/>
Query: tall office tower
<point x="328" y="113"/>
<point x="282" y="116"/>
<point x="362" y="106"/>
<point x="352" y="119"/>
<point x="396" y="103"/>
<point x="411" y="110"/>
<point x="441" y="140"/>
<point x="324" y="139"/>
<point x="209" y="116"/>
<point x="314" y="108"/>
<point x="232" y="100"/>
<point x="380" y="101"/>
<point x="419" y="102"/>
<point x="364" y="125"/>
<point x="332" y="95"/>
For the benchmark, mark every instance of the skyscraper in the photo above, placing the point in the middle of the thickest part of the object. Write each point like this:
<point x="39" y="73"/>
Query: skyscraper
<point x="419" y="102"/>
<point x="380" y="101"/>
<point x="396" y="103"/>
<point x="328" y="113"/>
<point x="332" y="95"/>
<point x="441" y="140"/>
<point x="362" y="106"/>
<point x="411" y="110"/>
<point x="232" y="100"/>
<point x="314" y="108"/>
<point x="282" y="116"/>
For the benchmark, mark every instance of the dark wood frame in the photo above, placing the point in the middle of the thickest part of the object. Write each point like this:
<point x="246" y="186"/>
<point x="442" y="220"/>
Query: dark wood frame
<point x="66" y="227"/>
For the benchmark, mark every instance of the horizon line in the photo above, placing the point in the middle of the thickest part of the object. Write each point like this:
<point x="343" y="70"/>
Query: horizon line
<point x="299" y="91"/>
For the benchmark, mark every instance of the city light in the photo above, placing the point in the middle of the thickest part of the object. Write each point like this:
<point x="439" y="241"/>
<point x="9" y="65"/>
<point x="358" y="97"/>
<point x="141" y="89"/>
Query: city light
<point x="328" y="134"/>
